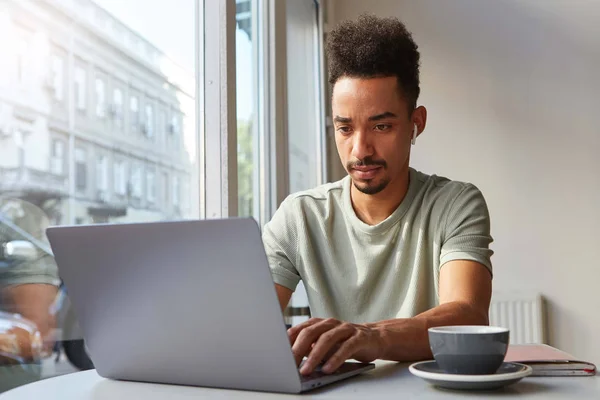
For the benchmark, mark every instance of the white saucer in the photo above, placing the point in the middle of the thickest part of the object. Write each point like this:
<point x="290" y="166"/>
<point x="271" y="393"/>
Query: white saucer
<point x="507" y="374"/>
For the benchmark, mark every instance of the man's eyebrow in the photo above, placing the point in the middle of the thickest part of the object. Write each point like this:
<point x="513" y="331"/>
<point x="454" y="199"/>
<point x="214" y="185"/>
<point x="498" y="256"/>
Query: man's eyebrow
<point x="342" y="120"/>
<point x="384" y="115"/>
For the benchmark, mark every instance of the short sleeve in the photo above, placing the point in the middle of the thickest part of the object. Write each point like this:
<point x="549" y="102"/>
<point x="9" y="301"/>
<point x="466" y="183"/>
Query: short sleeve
<point x="467" y="233"/>
<point x="34" y="221"/>
<point x="280" y="240"/>
<point x="42" y="271"/>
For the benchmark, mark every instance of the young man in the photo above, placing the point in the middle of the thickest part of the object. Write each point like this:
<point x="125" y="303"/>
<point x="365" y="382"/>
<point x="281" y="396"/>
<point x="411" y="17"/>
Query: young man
<point x="387" y="252"/>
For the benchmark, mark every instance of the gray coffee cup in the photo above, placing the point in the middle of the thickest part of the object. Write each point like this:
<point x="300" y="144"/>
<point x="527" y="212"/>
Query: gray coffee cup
<point x="469" y="350"/>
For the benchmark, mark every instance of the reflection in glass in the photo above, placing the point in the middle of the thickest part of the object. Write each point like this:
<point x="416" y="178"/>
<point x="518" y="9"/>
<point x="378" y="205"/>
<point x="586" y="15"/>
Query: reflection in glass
<point x="78" y="103"/>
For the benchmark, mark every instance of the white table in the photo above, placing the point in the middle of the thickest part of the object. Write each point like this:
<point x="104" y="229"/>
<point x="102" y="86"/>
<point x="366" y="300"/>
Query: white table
<point x="387" y="381"/>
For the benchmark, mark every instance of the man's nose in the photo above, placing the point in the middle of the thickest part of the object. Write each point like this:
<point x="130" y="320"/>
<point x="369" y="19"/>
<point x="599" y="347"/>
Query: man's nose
<point x="361" y="145"/>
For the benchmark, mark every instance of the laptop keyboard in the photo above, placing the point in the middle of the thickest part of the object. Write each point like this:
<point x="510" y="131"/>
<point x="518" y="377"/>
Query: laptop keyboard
<point x="317" y="373"/>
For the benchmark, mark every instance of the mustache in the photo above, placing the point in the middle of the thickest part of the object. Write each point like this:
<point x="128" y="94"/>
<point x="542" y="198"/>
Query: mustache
<point x="366" y="162"/>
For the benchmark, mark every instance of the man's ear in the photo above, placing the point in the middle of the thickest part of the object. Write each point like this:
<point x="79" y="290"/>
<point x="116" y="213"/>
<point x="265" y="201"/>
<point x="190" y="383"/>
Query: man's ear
<point x="419" y="118"/>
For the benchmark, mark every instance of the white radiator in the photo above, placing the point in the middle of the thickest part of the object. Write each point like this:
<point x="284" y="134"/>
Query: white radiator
<point x="523" y="314"/>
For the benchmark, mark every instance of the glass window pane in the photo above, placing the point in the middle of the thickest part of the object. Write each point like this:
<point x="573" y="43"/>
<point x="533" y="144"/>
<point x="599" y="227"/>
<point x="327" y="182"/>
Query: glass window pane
<point x="246" y="73"/>
<point x="303" y="92"/>
<point x="302" y="100"/>
<point x="73" y="100"/>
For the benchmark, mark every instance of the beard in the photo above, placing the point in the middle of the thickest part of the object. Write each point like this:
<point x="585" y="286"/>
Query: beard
<point x="369" y="187"/>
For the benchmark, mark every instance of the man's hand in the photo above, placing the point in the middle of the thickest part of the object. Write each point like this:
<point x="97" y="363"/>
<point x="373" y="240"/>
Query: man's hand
<point x="333" y="342"/>
<point x="33" y="302"/>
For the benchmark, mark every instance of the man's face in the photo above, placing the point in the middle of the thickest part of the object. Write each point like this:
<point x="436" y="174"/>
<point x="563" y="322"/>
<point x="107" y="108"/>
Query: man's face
<point x="373" y="131"/>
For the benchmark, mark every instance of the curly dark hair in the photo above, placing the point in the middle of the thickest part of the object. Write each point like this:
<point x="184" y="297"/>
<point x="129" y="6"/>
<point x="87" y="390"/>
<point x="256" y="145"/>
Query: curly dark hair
<point x="371" y="47"/>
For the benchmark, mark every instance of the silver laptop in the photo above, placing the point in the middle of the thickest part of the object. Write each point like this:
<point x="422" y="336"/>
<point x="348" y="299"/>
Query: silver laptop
<point x="189" y="302"/>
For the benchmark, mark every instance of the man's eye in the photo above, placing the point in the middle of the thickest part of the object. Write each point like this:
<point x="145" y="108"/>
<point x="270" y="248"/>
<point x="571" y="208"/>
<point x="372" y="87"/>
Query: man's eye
<point x="343" y="129"/>
<point x="382" y="127"/>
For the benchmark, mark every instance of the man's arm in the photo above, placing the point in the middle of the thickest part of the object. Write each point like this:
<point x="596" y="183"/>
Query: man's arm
<point x="465" y="293"/>
<point x="33" y="301"/>
<point x="284" y="295"/>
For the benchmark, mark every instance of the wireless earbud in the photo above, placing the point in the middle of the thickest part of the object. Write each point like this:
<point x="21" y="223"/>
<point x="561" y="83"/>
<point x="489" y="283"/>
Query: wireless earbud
<point x="414" y="138"/>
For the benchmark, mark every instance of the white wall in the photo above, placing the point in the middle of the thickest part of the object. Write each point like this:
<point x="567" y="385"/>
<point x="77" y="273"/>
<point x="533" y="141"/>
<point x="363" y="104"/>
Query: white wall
<point x="512" y="93"/>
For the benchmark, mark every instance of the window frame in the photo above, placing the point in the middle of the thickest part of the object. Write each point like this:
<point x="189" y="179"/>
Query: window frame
<point x="215" y="105"/>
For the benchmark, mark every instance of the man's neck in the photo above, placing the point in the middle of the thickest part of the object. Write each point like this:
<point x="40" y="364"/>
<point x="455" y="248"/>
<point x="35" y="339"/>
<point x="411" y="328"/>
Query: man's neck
<point x="373" y="209"/>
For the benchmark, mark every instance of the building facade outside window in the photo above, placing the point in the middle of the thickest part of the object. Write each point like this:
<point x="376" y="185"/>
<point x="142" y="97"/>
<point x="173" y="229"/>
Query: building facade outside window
<point x="100" y="98"/>
<point x="134" y="114"/>
<point x="102" y="178"/>
<point x="176" y="192"/>
<point x="149" y="121"/>
<point x="57" y="159"/>
<point x="22" y="59"/>
<point x="80" y="88"/>
<point x="80" y="167"/>
<point x="81" y="171"/>
<point x="120" y="178"/>
<point x="58" y="77"/>
<point x="151" y="187"/>
<point x="136" y="181"/>
<point x="117" y="108"/>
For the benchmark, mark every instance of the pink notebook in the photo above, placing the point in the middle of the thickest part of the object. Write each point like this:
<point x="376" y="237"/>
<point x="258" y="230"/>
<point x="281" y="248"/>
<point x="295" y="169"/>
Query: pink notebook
<point x="548" y="361"/>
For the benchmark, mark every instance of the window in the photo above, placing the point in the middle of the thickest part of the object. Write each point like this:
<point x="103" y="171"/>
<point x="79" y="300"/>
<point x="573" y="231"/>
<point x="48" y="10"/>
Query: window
<point x="100" y="98"/>
<point x="304" y="125"/>
<point x="304" y="108"/>
<point x="134" y="113"/>
<point x="162" y="123"/>
<point x="176" y="193"/>
<point x="114" y="177"/>
<point x="174" y="125"/>
<point x="117" y="108"/>
<point x="185" y="195"/>
<point x="120" y="178"/>
<point x="151" y="187"/>
<point x="165" y="190"/>
<point x="58" y="77"/>
<point x="80" y="169"/>
<point x="57" y="159"/>
<point x="247" y="147"/>
<point x="102" y="175"/>
<point x="22" y="59"/>
<point x="136" y="181"/>
<point x="149" y="126"/>
<point x="80" y="88"/>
